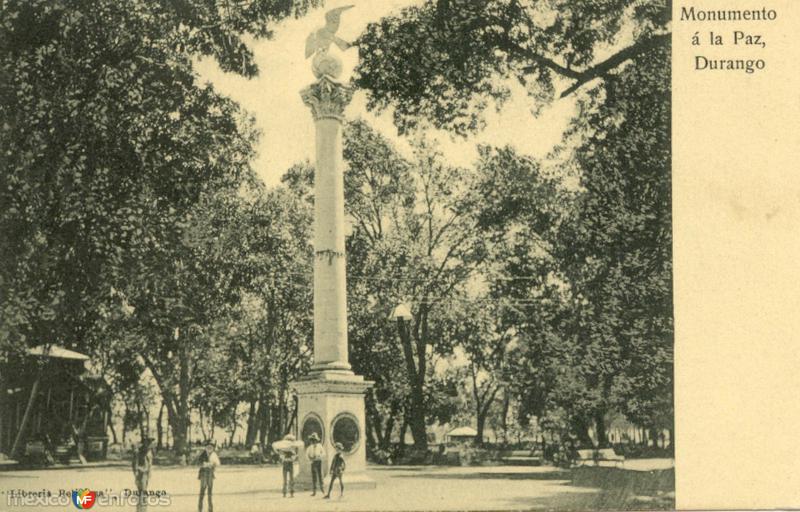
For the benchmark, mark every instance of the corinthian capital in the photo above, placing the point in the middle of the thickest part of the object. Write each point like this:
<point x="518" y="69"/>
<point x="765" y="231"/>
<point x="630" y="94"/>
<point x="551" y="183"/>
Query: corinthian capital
<point x="327" y="99"/>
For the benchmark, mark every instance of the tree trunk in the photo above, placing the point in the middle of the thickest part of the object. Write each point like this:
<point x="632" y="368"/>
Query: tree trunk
<point x="504" y="419"/>
<point x="140" y="421"/>
<point x="582" y="431"/>
<point x="373" y="423"/>
<point x="124" y="430"/>
<point x="179" y="425"/>
<point x="291" y="418"/>
<point x="110" y="413"/>
<point x="234" y="427"/>
<point x="383" y="431"/>
<point x="262" y="421"/>
<point x="160" y="427"/>
<point x="481" y="420"/>
<point x="654" y="435"/>
<point x="416" y="374"/>
<point x="250" y="435"/>
<point x="281" y="412"/>
<point x="3" y="415"/>
<point x="386" y="441"/>
<point x="26" y="417"/>
<point x="417" y="419"/>
<point x="403" y="429"/>
<point x="274" y="424"/>
<point x="483" y="401"/>
<point x="373" y="441"/>
<point x="202" y="425"/>
<point x="183" y="411"/>
<point x="600" y="428"/>
<point x="212" y="427"/>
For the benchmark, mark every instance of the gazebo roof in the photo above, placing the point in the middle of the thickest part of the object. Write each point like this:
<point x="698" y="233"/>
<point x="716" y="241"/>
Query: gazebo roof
<point x="463" y="432"/>
<point x="57" y="352"/>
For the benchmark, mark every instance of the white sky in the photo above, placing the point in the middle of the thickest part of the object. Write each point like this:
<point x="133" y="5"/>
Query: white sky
<point x="286" y="124"/>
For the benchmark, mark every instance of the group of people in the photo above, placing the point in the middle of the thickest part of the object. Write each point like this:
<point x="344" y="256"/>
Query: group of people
<point x="209" y="461"/>
<point x="143" y="466"/>
<point x="315" y="453"/>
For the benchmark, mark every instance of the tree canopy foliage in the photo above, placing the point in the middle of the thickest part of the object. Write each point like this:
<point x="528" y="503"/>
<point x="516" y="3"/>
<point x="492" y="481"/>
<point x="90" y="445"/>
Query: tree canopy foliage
<point x="114" y="155"/>
<point x="446" y="61"/>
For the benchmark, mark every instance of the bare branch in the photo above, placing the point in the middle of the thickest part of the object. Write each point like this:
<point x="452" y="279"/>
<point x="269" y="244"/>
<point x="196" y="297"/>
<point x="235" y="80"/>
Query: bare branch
<point x="542" y="61"/>
<point x="601" y="69"/>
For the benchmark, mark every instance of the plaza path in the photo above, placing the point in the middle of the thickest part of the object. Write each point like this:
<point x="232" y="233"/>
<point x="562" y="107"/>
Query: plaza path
<point x="253" y="489"/>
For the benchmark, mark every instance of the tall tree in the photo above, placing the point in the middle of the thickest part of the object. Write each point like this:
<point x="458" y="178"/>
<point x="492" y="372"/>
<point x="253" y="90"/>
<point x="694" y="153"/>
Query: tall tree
<point x="109" y="142"/>
<point x="599" y="257"/>
<point x="104" y="120"/>
<point x="486" y="342"/>
<point x="591" y="263"/>
<point x="618" y="249"/>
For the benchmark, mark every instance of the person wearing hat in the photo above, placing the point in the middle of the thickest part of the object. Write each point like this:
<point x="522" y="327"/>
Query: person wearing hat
<point x="209" y="461"/>
<point x="337" y="469"/>
<point x="314" y="452"/>
<point x="142" y="468"/>
<point x="288" y="458"/>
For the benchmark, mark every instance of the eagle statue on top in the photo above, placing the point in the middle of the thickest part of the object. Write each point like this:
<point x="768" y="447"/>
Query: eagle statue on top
<point x="319" y="41"/>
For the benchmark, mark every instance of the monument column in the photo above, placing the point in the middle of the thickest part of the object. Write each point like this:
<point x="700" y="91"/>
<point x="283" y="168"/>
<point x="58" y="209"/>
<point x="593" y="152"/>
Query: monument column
<point x="327" y="100"/>
<point x="330" y="399"/>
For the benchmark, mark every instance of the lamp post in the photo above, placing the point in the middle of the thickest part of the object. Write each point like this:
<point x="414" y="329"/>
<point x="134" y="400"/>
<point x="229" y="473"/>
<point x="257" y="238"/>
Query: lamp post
<point x="402" y="313"/>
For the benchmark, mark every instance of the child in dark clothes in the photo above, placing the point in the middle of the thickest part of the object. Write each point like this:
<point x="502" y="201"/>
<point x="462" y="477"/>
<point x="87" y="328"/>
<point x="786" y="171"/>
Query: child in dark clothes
<point x="337" y="469"/>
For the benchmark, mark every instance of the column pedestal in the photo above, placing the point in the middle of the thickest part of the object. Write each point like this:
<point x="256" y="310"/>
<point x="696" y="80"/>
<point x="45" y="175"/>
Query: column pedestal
<point x="335" y="401"/>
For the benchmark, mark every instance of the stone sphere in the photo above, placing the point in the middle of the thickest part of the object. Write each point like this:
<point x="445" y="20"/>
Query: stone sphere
<point x="324" y="63"/>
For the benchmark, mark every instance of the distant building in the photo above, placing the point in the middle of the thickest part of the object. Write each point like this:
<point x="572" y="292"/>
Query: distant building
<point x="462" y="435"/>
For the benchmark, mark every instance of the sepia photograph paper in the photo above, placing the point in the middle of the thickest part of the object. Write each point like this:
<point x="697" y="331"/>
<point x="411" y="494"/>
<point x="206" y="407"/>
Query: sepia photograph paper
<point x="399" y="255"/>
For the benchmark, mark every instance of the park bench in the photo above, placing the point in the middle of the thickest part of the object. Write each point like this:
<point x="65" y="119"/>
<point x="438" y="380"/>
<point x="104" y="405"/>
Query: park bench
<point x="521" y="458"/>
<point x="34" y="448"/>
<point x="597" y="456"/>
<point x="36" y="453"/>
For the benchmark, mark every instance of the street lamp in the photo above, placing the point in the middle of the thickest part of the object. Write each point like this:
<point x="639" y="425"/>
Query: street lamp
<point x="401" y="312"/>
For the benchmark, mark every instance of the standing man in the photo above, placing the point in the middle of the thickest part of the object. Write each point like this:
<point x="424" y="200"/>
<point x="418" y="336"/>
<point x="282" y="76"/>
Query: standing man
<point x="314" y="452"/>
<point x="288" y="458"/>
<point x="142" y="467"/>
<point x="208" y="464"/>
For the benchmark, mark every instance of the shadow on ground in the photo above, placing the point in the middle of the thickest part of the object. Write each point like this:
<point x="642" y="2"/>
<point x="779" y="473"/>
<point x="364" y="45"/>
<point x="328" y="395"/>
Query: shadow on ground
<point x="593" y="488"/>
<point x="592" y="501"/>
<point x="611" y="489"/>
<point x="549" y="475"/>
